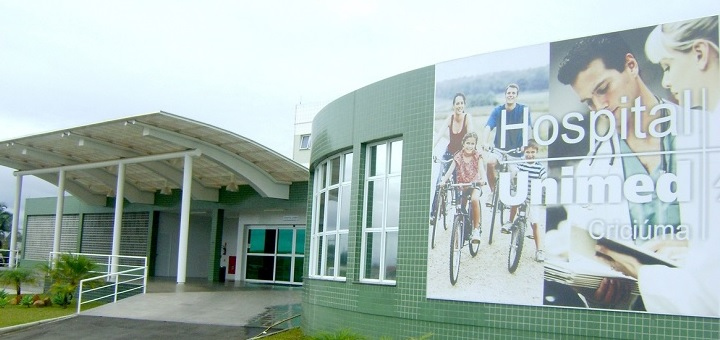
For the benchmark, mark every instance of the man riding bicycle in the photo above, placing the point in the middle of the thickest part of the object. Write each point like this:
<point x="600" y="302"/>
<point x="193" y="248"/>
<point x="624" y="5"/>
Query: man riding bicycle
<point x="509" y="130"/>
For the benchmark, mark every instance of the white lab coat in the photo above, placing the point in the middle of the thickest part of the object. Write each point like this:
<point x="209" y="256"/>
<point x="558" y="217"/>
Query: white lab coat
<point x="690" y="289"/>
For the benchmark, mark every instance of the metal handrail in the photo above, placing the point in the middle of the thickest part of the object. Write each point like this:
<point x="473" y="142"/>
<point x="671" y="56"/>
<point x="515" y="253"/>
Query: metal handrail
<point x="111" y="274"/>
<point x="113" y="278"/>
<point x="6" y="259"/>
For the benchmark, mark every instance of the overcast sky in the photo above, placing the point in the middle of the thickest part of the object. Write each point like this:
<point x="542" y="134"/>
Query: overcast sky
<point x="244" y="65"/>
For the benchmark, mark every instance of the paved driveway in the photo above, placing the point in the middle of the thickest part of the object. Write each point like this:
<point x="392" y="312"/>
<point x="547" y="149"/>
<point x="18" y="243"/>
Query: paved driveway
<point x="196" y="310"/>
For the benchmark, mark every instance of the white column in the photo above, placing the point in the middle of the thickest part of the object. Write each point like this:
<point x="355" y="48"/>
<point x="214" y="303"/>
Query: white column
<point x="184" y="220"/>
<point x="117" y="223"/>
<point x="59" y="212"/>
<point x="15" y="221"/>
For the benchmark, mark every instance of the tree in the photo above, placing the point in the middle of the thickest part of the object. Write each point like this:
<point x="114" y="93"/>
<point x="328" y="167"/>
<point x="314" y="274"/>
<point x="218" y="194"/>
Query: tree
<point x="17" y="276"/>
<point x="6" y="218"/>
<point x="66" y="275"/>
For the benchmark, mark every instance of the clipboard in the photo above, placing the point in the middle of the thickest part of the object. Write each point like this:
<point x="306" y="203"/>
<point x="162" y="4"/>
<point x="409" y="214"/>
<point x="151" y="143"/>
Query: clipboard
<point x="642" y="255"/>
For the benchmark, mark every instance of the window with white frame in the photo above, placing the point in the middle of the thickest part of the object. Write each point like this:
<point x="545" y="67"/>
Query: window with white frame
<point x="381" y="212"/>
<point x="305" y="142"/>
<point x="331" y="218"/>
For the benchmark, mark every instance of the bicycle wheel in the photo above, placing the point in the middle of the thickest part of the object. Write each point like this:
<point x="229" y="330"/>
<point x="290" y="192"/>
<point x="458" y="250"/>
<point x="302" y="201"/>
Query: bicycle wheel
<point x="516" y="244"/>
<point x="443" y="208"/>
<point x="495" y="201"/>
<point x="504" y="213"/>
<point x="456" y="244"/>
<point x="434" y="226"/>
<point x="440" y="211"/>
<point x="474" y="247"/>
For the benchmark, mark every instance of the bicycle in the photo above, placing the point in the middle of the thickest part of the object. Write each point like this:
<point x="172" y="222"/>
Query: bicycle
<point x="441" y="200"/>
<point x="462" y="228"/>
<point x="517" y="237"/>
<point x="497" y="204"/>
<point x="441" y="193"/>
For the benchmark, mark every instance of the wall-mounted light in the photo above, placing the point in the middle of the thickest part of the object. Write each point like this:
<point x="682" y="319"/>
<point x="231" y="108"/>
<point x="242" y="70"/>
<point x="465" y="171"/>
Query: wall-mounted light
<point x="166" y="190"/>
<point x="232" y="186"/>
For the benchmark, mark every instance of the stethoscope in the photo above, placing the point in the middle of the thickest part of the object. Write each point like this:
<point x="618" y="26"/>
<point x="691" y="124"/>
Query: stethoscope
<point x="664" y="167"/>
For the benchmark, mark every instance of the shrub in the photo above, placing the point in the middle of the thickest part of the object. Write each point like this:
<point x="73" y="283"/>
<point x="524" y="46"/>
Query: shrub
<point x="26" y="300"/>
<point x="66" y="274"/>
<point x="57" y="299"/>
<point x="4" y="300"/>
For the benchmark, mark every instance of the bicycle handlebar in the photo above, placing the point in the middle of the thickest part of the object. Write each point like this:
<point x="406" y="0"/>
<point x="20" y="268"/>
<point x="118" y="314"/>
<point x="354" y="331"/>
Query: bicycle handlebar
<point x="504" y="152"/>
<point x="473" y="184"/>
<point x="438" y="160"/>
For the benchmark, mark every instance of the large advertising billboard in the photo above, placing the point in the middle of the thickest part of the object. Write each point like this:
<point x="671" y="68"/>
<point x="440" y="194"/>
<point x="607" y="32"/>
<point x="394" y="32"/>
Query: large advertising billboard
<point x="582" y="173"/>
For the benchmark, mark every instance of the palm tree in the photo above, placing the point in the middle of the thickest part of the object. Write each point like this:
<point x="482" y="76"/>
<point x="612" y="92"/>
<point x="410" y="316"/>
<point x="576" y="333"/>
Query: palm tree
<point x="17" y="276"/>
<point x="67" y="273"/>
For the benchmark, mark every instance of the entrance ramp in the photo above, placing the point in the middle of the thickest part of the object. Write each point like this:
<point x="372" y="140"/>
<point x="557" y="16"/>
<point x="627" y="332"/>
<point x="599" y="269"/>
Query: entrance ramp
<point x="200" y="302"/>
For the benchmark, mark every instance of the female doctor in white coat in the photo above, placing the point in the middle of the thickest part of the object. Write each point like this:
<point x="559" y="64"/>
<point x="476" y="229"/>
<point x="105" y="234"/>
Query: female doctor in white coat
<point x="604" y="81"/>
<point x="688" y="54"/>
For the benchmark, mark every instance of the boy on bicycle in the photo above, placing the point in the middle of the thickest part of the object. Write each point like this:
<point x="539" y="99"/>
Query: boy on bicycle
<point x="536" y="213"/>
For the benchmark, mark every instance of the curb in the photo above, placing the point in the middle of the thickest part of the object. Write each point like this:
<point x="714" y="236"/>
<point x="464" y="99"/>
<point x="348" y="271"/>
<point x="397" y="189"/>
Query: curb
<point x="10" y="329"/>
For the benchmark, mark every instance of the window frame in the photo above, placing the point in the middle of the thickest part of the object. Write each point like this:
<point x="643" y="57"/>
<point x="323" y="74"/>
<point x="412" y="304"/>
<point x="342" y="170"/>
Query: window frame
<point x="392" y="170"/>
<point x="275" y="253"/>
<point x="305" y="142"/>
<point x="322" y="186"/>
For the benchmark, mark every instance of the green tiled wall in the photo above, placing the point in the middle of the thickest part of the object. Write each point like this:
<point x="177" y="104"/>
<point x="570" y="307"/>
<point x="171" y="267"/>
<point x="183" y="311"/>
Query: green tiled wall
<point x="247" y="198"/>
<point x="403" y="106"/>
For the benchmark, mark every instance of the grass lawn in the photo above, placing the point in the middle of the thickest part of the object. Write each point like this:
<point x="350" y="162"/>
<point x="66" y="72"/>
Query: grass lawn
<point x="297" y="334"/>
<point x="12" y="315"/>
<point x="291" y="334"/>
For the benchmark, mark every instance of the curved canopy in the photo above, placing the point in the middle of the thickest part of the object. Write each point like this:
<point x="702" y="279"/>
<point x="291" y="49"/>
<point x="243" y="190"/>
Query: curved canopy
<point x="152" y="147"/>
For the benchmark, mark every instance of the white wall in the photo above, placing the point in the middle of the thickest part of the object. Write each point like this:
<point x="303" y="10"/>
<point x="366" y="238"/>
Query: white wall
<point x="229" y="239"/>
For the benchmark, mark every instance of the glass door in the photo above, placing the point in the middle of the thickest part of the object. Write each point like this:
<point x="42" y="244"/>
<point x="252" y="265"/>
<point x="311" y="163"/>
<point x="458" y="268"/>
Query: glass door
<point x="275" y="254"/>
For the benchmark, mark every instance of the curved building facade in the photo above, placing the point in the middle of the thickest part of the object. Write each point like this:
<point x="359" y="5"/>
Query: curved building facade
<point x="374" y="266"/>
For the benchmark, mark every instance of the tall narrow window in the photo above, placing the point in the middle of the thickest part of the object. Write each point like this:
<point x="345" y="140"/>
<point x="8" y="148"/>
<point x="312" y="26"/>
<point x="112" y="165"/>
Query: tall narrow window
<point x="331" y="218"/>
<point x="381" y="212"/>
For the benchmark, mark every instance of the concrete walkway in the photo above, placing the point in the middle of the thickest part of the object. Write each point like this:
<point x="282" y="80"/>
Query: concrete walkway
<point x="195" y="310"/>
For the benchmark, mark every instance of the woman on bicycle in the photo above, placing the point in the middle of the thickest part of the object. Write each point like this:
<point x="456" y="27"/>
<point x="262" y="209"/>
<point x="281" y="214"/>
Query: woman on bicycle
<point x="469" y="169"/>
<point x="454" y="128"/>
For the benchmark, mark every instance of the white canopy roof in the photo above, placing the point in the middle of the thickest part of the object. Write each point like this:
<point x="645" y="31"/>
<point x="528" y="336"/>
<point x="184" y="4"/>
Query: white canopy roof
<point x="151" y="147"/>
